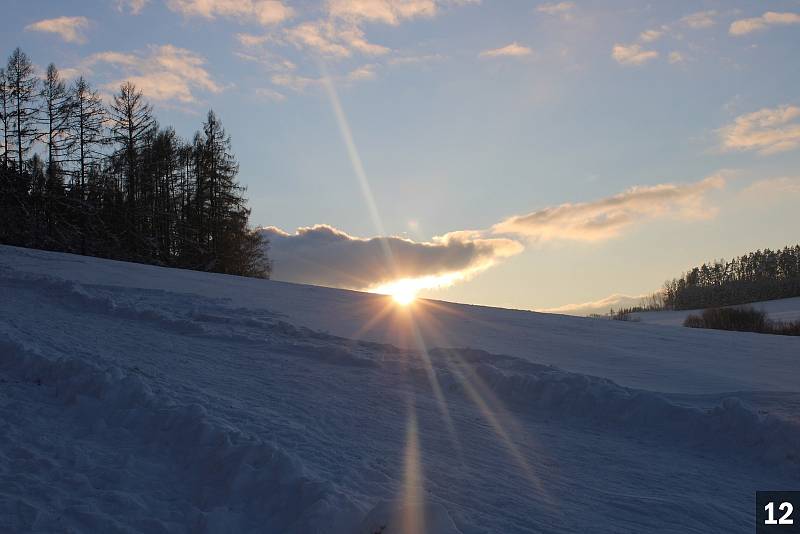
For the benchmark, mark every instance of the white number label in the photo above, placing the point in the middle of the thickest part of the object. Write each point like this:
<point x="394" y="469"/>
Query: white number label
<point x="785" y="519"/>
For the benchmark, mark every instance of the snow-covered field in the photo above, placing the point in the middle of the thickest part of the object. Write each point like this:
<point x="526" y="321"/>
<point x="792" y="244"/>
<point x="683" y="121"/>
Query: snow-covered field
<point x="142" y="399"/>
<point x="778" y="310"/>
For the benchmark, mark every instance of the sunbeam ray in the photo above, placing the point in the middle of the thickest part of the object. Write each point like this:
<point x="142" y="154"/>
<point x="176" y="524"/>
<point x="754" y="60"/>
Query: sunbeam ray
<point x="412" y="500"/>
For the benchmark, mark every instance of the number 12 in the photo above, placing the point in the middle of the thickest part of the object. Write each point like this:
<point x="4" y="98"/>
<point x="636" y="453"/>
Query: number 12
<point x="784" y="520"/>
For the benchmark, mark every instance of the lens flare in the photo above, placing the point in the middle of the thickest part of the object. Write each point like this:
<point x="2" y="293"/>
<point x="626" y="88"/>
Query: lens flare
<point x="405" y="290"/>
<point x="404" y="297"/>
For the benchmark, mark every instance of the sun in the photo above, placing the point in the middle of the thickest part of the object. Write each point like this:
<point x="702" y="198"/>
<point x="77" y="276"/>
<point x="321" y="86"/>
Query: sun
<point x="404" y="296"/>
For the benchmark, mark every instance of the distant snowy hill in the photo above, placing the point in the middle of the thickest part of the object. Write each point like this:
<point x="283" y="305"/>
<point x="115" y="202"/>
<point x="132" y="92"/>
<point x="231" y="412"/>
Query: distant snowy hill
<point x="141" y="399"/>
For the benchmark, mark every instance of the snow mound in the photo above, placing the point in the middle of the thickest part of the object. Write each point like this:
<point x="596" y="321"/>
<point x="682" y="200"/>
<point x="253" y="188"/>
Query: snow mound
<point x="79" y="298"/>
<point x="731" y="426"/>
<point x="240" y="484"/>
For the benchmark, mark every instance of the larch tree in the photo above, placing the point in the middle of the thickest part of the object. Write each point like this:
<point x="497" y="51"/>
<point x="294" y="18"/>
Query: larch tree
<point x="22" y="83"/>
<point x="86" y="131"/>
<point x="4" y="106"/>
<point x="56" y="112"/>
<point x="136" y="192"/>
<point x="131" y="122"/>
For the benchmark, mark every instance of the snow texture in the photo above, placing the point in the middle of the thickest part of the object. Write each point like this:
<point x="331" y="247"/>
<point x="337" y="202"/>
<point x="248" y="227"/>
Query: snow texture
<point x="142" y="399"/>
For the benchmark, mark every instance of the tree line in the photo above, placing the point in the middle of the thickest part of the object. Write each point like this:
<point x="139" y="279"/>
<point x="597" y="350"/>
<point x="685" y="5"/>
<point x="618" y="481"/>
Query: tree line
<point x="84" y="176"/>
<point x="760" y="275"/>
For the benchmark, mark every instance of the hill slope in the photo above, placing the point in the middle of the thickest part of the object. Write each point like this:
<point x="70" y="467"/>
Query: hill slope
<point x="137" y="398"/>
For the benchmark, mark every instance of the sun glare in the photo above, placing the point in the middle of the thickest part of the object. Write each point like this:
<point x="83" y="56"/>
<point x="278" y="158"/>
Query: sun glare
<point x="405" y="290"/>
<point x="404" y="297"/>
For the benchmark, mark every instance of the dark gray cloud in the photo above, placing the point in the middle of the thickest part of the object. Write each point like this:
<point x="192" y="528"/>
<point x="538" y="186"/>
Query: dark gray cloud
<point x="323" y="255"/>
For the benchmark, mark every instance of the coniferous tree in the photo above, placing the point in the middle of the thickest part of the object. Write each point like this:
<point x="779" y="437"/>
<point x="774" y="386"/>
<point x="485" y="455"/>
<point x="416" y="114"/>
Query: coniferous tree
<point x="131" y="122"/>
<point x="57" y="109"/>
<point x="4" y="107"/>
<point x="155" y="198"/>
<point x="23" y="110"/>
<point x="760" y="275"/>
<point x="85" y="131"/>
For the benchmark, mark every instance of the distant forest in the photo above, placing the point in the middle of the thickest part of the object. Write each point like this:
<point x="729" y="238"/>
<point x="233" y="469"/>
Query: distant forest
<point x="756" y="276"/>
<point x="84" y="176"/>
<point x="760" y="275"/>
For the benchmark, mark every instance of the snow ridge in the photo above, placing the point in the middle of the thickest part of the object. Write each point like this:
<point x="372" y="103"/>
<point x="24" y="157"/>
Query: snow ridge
<point x="731" y="425"/>
<point x="265" y="487"/>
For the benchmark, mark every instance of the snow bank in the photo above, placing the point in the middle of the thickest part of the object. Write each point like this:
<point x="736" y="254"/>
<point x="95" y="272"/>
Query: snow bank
<point x="240" y="484"/>
<point x="731" y="426"/>
<point x="77" y="297"/>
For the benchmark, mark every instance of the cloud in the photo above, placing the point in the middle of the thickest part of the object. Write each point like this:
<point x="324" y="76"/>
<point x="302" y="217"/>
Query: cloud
<point x="163" y="73"/>
<point x="70" y="29"/>
<point x="413" y="60"/>
<point x="265" y="12"/>
<point x="385" y="11"/>
<point x="294" y="82"/>
<point x="632" y="54"/>
<point x="676" y="57"/>
<point x="616" y="301"/>
<point x="134" y="7"/>
<point x="700" y="20"/>
<point x="650" y="36"/>
<point x="365" y="72"/>
<point x="607" y="217"/>
<point x="767" y="131"/>
<point x="270" y="94"/>
<point x="562" y="9"/>
<point x="772" y="187"/>
<point x="391" y="12"/>
<point x="324" y="255"/>
<point x="332" y="38"/>
<point x="770" y="18"/>
<point x="336" y="30"/>
<point x="512" y="50"/>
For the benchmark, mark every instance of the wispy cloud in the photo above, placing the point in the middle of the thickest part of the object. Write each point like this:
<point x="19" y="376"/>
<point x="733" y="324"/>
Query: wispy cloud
<point x="331" y="38"/>
<point x="299" y="83"/>
<point x="70" y="29"/>
<point x="512" y="50"/>
<point x="770" y="18"/>
<point x="134" y="7"/>
<point x="608" y="217"/>
<point x="649" y="36"/>
<point x="334" y="30"/>
<point x="295" y="82"/>
<point x="270" y="94"/>
<point x="391" y="12"/>
<point x="163" y="73"/>
<point x="364" y="72"/>
<point x="327" y="256"/>
<point x="384" y="11"/>
<point x="560" y="9"/>
<point x="413" y="60"/>
<point x="773" y="187"/>
<point x="632" y="54"/>
<point x="265" y="12"/>
<point x="603" y="305"/>
<point x="767" y="131"/>
<point x="676" y="57"/>
<point x="700" y="20"/>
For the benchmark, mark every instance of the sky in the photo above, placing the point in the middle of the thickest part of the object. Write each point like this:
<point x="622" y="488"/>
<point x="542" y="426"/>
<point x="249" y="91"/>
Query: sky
<point x="563" y="156"/>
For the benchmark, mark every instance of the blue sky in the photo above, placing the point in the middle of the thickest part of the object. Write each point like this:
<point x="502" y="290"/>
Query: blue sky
<point x="465" y="114"/>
